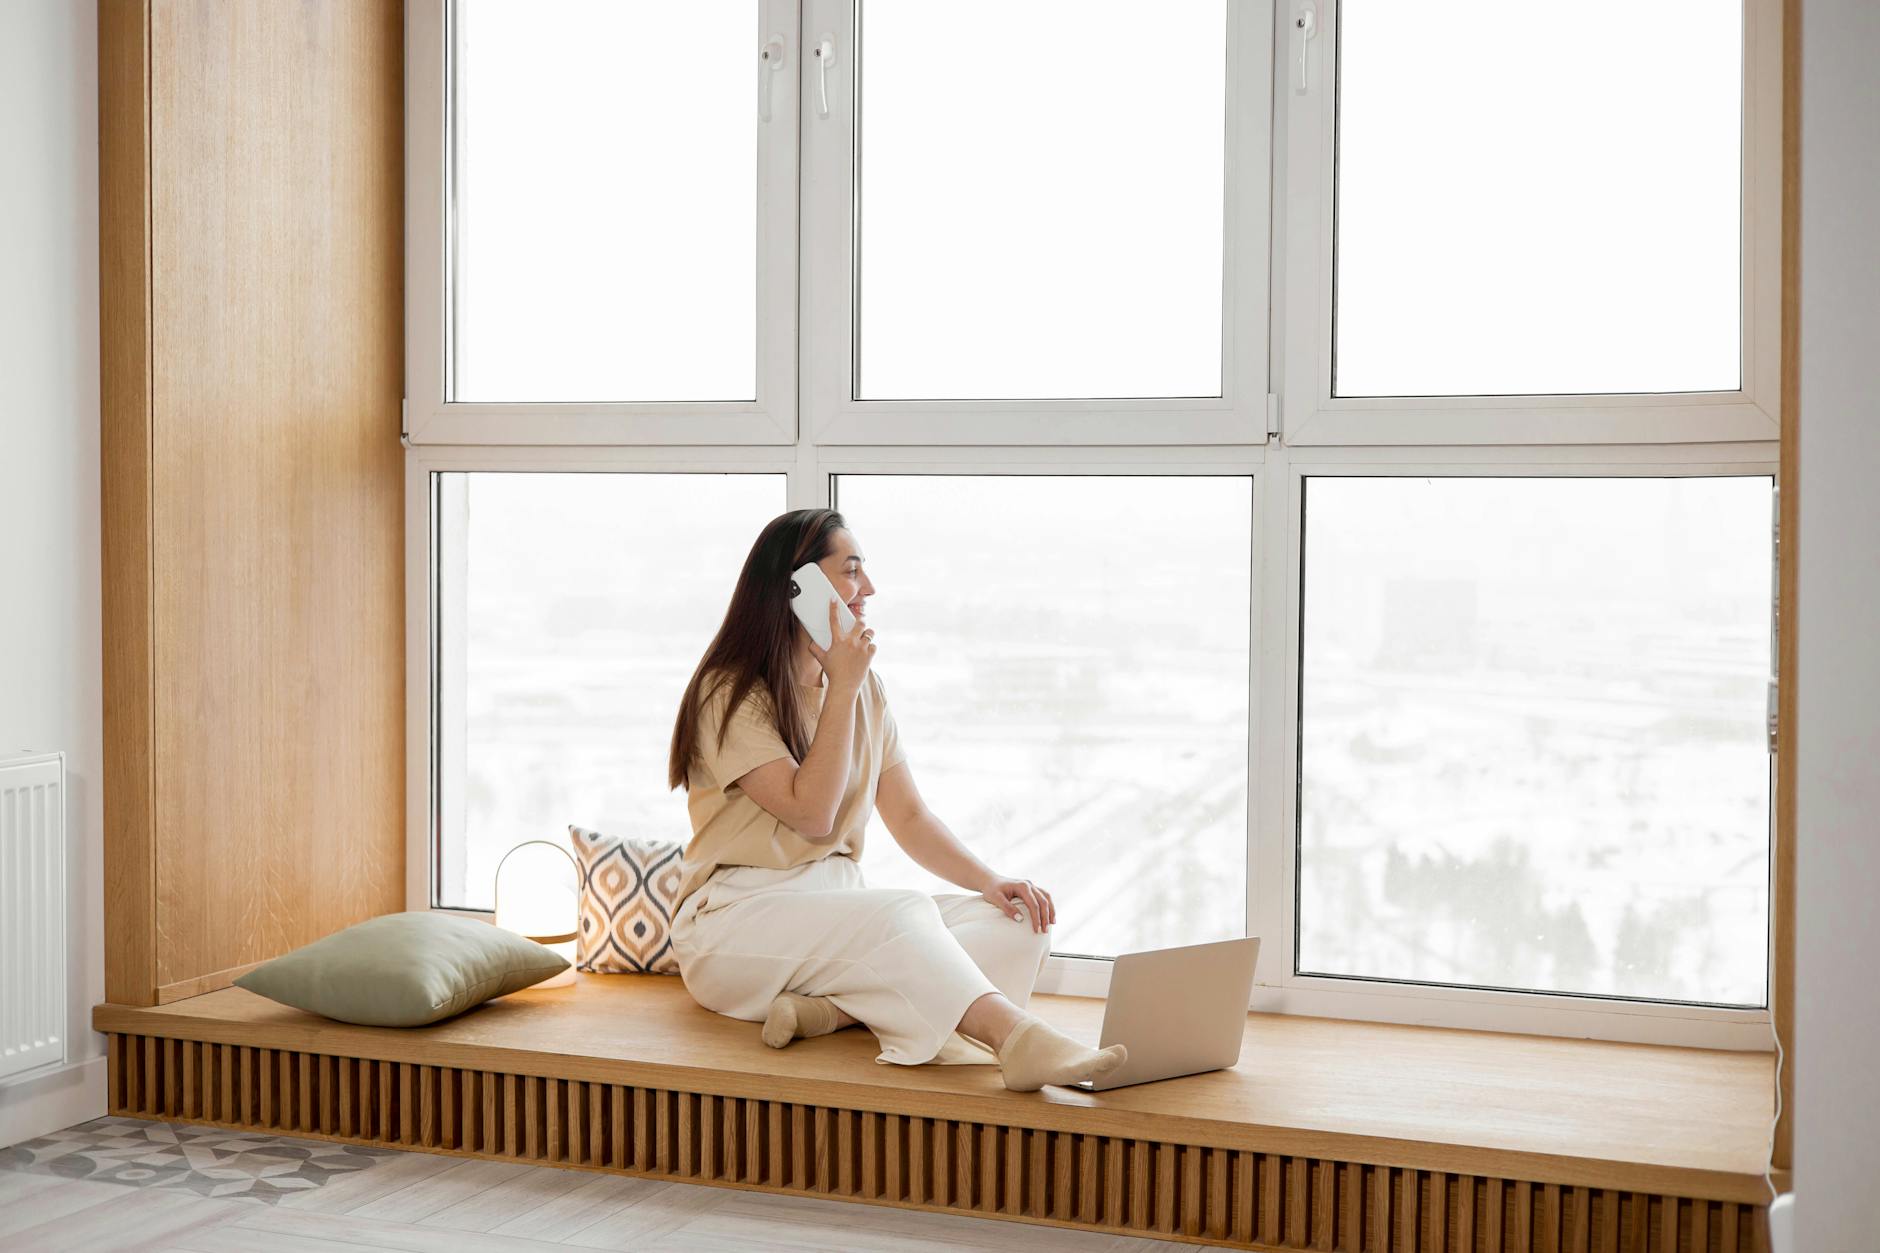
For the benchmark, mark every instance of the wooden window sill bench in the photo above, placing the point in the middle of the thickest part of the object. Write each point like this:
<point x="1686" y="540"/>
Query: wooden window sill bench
<point x="1328" y="1135"/>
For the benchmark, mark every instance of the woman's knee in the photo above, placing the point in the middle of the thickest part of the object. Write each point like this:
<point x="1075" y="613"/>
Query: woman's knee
<point x="908" y="902"/>
<point x="898" y="912"/>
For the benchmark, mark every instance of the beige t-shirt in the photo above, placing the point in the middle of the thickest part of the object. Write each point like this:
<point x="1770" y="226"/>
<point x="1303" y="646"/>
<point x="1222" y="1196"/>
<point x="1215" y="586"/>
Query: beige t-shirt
<point x="731" y="829"/>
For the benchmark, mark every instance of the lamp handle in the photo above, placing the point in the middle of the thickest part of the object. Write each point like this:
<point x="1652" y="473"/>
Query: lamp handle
<point x="497" y="890"/>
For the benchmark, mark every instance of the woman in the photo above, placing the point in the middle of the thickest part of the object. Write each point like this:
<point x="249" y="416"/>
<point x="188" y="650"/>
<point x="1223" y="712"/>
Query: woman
<point x="776" y="924"/>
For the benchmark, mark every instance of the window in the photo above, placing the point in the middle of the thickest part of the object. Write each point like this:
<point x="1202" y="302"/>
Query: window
<point x="1561" y="241"/>
<point x="1535" y="230"/>
<point x="602" y="242"/>
<point x="1532" y="751"/>
<point x="1005" y="244"/>
<point x="574" y="608"/>
<point x="606" y="214"/>
<point x="1022" y="232"/>
<point x="1067" y="656"/>
<point x="1315" y="458"/>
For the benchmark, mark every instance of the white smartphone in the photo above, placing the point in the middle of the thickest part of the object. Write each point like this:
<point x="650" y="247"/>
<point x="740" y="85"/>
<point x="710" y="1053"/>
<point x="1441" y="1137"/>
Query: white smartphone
<point x="810" y="594"/>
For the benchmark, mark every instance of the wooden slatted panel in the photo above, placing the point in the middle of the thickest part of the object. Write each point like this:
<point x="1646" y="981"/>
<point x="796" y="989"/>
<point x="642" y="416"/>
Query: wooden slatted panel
<point x="1728" y="1234"/>
<point x="618" y="1102"/>
<point x="747" y="1131"/>
<point x="603" y="1120"/>
<point x="153" y="1086"/>
<point x="192" y="1079"/>
<point x="1180" y="1191"/>
<point x="1607" y="1209"/>
<point x="822" y="1149"/>
<point x="1186" y="1181"/>
<point x="697" y="1135"/>
<point x="775" y="1117"/>
<point x="730" y="1136"/>
<point x="810" y="1150"/>
<point x="485" y="1138"/>
<point x="984" y="1189"/>
<point x="1298" y="1175"/>
<point x="385" y="1092"/>
<point x="839" y="1147"/>
<point x="424" y="1122"/>
<point x="641" y="1139"/>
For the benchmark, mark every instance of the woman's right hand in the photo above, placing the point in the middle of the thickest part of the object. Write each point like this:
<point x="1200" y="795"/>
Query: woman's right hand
<point x="847" y="658"/>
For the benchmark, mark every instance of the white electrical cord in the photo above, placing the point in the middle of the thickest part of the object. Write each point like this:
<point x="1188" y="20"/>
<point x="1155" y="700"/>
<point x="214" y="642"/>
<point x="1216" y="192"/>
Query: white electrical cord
<point x="1770" y="1161"/>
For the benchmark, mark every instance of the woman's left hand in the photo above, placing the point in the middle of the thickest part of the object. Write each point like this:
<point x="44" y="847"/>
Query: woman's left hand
<point x="1010" y="894"/>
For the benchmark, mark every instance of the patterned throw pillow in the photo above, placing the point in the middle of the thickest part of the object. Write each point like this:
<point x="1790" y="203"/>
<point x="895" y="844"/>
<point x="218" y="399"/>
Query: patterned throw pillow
<point x="627" y="890"/>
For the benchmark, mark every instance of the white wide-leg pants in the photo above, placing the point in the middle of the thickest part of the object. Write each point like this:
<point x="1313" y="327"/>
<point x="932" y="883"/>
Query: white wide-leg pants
<point x="902" y="963"/>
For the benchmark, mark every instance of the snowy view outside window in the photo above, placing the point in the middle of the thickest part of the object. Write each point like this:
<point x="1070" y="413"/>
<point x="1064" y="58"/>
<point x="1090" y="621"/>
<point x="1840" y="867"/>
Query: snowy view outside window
<point x="1567" y="239"/>
<point x="1531" y="737"/>
<point x="605" y="201"/>
<point x="1066" y="658"/>
<point x="1022" y="232"/>
<point x="1532" y="744"/>
<point x="583" y="602"/>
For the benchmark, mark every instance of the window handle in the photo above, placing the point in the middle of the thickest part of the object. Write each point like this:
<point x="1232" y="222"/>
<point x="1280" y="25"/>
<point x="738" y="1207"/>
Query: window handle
<point x="769" y="61"/>
<point x="1306" y="22"/>
<point x="825" y="54"/>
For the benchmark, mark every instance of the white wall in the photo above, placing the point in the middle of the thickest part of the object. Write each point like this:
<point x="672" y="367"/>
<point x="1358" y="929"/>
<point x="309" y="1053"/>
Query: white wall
<point x="1837" y="1027"/>
<point x="50" y="666"/>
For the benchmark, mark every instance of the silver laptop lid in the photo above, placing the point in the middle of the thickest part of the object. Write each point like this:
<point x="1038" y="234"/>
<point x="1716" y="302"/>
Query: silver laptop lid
<point x="1179" y="1011"/>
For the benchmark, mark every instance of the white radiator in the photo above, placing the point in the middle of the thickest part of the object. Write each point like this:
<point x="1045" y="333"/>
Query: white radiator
<point x="32" y="912"/>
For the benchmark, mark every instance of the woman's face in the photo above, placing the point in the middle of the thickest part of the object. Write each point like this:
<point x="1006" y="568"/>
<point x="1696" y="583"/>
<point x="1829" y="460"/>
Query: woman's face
<point x="843" y="565"/>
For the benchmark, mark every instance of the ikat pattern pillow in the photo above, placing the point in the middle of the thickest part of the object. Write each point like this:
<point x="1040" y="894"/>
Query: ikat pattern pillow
<point x="627" y="903"/>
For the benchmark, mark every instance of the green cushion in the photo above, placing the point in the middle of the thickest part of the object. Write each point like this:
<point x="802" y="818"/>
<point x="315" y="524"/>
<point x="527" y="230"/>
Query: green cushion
<point x="404" y="970"/>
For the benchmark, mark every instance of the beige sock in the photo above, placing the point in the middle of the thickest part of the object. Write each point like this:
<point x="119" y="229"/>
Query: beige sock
<point x="793" y="1016"/>
<point x="1036" y="1053"/>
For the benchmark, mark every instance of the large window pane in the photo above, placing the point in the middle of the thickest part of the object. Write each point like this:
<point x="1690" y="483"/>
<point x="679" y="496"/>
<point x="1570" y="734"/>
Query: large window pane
<point x="605" y="201"/>
<point x="1067" y="660"/>
<point x="573" y="608"/>
<point x="1532" y="752"/>
<point x="1547" y="200"/>
<point x="1040" y="199"/>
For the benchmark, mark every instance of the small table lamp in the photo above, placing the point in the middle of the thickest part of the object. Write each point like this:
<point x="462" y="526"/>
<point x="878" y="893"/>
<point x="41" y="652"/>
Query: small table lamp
<point x="538" y="896"/>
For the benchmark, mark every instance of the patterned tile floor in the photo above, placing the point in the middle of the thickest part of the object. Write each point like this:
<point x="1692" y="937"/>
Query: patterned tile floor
<point x="124" y="1185"/>
<point x="205" y="1160"/>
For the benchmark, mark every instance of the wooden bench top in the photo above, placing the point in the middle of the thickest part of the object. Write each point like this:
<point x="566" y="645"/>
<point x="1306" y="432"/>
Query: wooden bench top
<point x="1587" y="1113"/>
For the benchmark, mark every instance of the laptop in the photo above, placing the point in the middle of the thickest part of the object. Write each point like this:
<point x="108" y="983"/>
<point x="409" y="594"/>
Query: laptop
<point x="1179" y="1011"/>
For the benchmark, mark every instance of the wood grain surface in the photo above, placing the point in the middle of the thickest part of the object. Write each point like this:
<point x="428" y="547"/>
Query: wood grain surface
<point x="1576" y="1113"/>
<point x="1789" y="479"/>
<point x="124" y="483"/>
<point x="252" y="210"/>
<point x="1126" y="1171"/>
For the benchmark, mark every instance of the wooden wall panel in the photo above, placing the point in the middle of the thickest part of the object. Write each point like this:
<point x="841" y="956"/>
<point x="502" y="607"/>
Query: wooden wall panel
<point x="1788" y="479"/>
<point x="124" y="482"/>
<point x="272" y="604"/>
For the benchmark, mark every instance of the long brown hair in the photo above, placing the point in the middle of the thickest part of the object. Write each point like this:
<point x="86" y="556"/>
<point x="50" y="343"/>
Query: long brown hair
<point x="755" y="644"/>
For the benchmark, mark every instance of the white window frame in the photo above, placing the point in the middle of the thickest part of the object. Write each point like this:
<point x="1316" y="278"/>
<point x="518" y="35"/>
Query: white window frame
<point x="1315" y="416"/>
<point x="840" y="436"/>
<point x="431" y="417"/>
<point x="1276" y="823"/>
<point x="1237" y="416"/>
